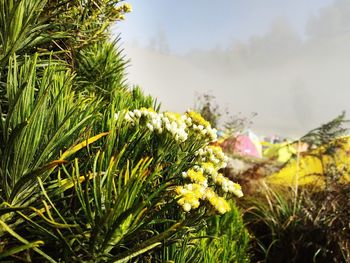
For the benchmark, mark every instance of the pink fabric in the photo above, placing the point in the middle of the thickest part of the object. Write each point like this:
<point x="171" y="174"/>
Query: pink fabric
<point x="243" y="145"/>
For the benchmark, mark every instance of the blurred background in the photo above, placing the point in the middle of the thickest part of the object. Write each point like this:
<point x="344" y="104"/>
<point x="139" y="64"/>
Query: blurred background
<point x="288" y="61"/>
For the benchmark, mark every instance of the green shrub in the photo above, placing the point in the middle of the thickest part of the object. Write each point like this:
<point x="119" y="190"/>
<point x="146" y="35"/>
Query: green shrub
<point x="307" y="226"/>
<point x="218" y="239"/>
<point x="228" y="240"/>
<point x="90" y="170"/>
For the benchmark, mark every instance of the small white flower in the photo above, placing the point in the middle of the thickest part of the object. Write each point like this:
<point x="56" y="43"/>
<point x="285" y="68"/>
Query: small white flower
<point x="137" y="113"/>
<point x="186" y="207"/>
<point x="205" y="184"/>
<point x="166" y="120"/>
<point x="150" y="127"/>
<point x="168" y="126"/>
<point x="208" y="194"/>
<point x="238" y="193"/>
<point x="183" y="137"/>
<point x="195" y="203"/>
<point x="128" y="118"/>
<point x="214" y="160"/>
<point x="189" y="187"/>
<point x="221" y="210"/>
<point x="188" y="121"/>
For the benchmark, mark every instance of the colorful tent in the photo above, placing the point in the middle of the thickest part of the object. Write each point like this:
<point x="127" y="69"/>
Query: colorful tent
<point x="282" y="152"/>
<point x="244" y="144"/>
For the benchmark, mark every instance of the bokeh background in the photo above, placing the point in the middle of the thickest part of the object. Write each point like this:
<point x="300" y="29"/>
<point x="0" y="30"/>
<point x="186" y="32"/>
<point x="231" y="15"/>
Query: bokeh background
<point x="288" y="61"/>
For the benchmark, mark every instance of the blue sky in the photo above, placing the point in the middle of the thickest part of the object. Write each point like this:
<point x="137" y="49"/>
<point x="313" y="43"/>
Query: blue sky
<point x="204" y="24"/>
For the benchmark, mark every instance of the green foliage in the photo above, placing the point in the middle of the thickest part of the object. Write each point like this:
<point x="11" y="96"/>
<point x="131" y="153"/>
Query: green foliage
<point x="100" y="69"/>
<point x="114" y="201"/>
<point x="39" y="118"/>
<point x="304" y="226"/>
<point x="19" y="26"/>
<point x="77" y="182"/>
<point x="326" y="133"/>
<point x="218" y="239"/>
<point x="330" y="139"/>
<point x="229" y="240"/>
<point x="274" y="218"/>
<point x="328" y="214"/>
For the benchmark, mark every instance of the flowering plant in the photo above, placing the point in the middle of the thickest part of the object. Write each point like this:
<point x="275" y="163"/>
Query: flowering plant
<point x="79" y="183"/>
<point x="188" y="134"/>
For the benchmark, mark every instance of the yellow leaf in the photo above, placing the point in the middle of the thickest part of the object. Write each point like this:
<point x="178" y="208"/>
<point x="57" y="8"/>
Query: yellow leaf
<point x="81" y="145"/>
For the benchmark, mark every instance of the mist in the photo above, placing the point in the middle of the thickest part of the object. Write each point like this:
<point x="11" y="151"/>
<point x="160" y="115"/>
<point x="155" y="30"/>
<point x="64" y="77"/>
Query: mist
<point x="293" y="81"/>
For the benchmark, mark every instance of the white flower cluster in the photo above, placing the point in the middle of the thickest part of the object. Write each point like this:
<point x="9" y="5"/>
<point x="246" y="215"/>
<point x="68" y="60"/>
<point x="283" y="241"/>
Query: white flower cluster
<point x="200" y="129"/>
<point x="226" y="184"/>
<point x="191" y="194"/>
<point x="213" y="154"/>
<point x="158" y="122"/>
<point x="200" y="126"/>
<point x="176" y="125"/>
<point x="202" y="177"/>
<point x="199" y="188"/>
<point x="179" y="126"/>
<point x="196" y="175"/>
